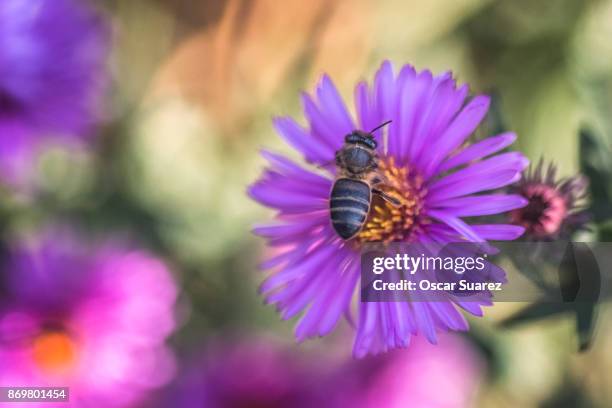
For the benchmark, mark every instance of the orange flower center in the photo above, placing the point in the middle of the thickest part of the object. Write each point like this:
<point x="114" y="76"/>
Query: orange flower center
<point x="388" y="222"/>
<point x="54" y="351"/>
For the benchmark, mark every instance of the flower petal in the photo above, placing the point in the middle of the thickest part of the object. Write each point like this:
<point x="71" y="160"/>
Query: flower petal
<point x="367" y="339"/>
<point x="460" y="128"/>
<point x="366" y="111"/>
<point x="384" y="91"/>
<point x="478" y="151"/>
<point x="275" y="195"/>
<point x="301" y="140"/>
<point x="457" y="224"/>
<point x="439" y="111"/>
<point x="329" y="305"/>
<point x="290" y="188"/>
<point x="334" y="108"/>
<point x="412" y="104"/>
<point x="285" y="232"/>
<point x="321" y="128"/>
<point x="499" y="232"/>
<point x="290" y="169"/>
<point x="483" y="204"/>
<point x="495" y="172"/>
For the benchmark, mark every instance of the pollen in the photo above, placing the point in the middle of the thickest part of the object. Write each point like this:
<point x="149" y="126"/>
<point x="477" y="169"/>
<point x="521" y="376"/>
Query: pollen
<point x="388" y="222"/>
<point x="54" y="351"/>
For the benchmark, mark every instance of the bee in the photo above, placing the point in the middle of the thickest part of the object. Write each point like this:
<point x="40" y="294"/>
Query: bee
<point x="356" y="182"/>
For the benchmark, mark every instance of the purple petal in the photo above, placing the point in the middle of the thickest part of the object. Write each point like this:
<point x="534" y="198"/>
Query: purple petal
<point x="499" y="232"/>
<point x="455" y="223"/>
<point x="289" y="188"/>
<point x="440" y="99"/>
<point x="461" y="127"/>
<point x="366" y="339"/>
<point x="424" y="320"/>
<point x="400" y="314"/>
<point x="328" y="118"/>
<point x="479" y="150"/>
<point x="495" y="172"/>
<point x="285" y="232"/>
<point x="330" y="303"/>
<point x="290" y="169"/>
<point x="300" y="139"/>
<point x="334" y="107"/>
<point x="483" y="204"/>
<point x="397" y="129"/>
<point x="366" y="111"/>
<point x="412" y="105"/>
<point x="449" y="316"/>
<point x="384" y="91"/>
<point x="321" y="127"/>
<point x="274" y="196"/>
<point x="472" y="307"/>
<point x="303" y="265"/>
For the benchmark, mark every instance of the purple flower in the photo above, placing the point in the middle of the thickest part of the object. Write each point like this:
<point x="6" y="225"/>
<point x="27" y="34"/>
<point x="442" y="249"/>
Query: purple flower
<point x="555" y="207"/>
<point x="52" y="57"/>
<point x="261" y="372"/>
<point x="94" y="318"/>
<point x="429" y="167"/>
<point x="425" y="376"/>
<point x="254" y="373"/>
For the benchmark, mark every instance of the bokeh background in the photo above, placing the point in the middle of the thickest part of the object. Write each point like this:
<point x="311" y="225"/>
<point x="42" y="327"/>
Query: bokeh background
<point x="193" y="86"/>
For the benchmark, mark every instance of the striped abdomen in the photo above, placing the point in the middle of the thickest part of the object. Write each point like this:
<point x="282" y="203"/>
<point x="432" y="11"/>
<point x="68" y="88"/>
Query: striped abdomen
<point x="349" y="205"/>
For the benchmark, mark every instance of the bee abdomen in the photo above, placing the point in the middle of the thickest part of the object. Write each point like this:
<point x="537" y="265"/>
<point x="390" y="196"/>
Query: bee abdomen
<point x="349" y="206"/>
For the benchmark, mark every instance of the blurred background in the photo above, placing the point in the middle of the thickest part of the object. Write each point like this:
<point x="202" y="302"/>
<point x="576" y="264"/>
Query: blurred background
<point x="191" y="88"/>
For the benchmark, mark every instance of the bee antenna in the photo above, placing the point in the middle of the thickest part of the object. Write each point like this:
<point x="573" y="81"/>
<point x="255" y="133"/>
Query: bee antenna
<point x="380" y="126"/>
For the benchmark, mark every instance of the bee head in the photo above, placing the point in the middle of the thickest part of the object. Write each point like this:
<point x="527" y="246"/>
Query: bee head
<point x="361" y="138"/>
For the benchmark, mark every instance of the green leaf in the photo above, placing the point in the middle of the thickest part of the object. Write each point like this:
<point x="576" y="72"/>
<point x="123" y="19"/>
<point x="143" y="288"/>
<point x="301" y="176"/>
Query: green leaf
<point x="596" y="165"/>
<point x="586" y="319"/>
<point x="579" y="282"/>
<point x="536" y="311"/>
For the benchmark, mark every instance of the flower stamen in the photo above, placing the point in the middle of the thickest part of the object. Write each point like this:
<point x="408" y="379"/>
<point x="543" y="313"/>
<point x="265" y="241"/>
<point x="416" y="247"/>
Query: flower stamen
<point x="54" y="351"/>
<point x="388" y="222"/>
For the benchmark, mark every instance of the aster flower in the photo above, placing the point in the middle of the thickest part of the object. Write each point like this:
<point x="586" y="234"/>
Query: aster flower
<point x="91" y="318"/>
<point x="428" y="165"/>
<point x="52" y="56"/>
<point x="555" y="206"/>
<point x="261" y="372"/>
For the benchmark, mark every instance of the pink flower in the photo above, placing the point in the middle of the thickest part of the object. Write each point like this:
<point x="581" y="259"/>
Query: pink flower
<point x="258" y="372"/>
<point x="425" y="376"/>
<point x="555" y="206"/>
<point x="89" y="317"/>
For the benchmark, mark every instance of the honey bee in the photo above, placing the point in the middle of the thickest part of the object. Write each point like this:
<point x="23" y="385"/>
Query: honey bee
<point x="356" y="182"/>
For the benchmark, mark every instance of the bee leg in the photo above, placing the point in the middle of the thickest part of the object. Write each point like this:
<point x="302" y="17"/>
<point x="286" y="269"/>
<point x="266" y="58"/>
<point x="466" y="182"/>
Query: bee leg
<point x="392" y="200"/>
